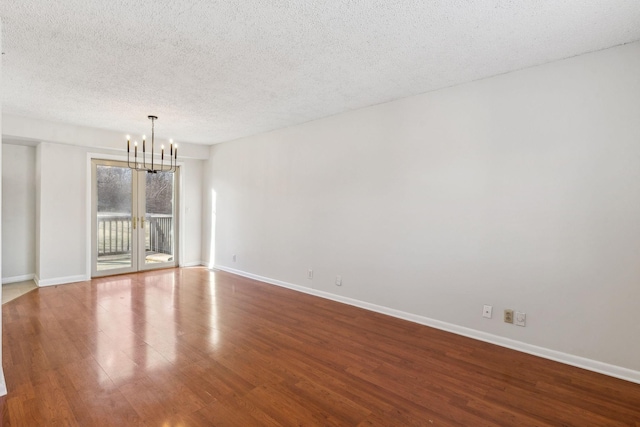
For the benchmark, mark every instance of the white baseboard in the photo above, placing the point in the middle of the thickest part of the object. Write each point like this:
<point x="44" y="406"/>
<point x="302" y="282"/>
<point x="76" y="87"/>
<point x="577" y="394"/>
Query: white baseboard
<point x="194" y="264"/>
<point x="568" y="359"/>
<point x="60" y="280"/>
<point x="15" y="279"/>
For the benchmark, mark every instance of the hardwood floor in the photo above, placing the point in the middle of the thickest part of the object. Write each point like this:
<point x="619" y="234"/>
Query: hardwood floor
<point x="192" y="347"/>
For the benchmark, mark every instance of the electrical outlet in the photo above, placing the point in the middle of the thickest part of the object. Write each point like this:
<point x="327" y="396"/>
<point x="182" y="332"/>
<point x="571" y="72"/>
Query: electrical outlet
<point x="487" y="311"/>
<point x="234" y="257"/>
<point x="508" y="316"/>
<point x="310" y="274"/>
<point x="338" y="280"/>
<point x="520" y="319"/>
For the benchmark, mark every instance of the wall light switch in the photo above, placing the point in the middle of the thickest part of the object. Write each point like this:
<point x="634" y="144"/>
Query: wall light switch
<point x="520" y="319"/>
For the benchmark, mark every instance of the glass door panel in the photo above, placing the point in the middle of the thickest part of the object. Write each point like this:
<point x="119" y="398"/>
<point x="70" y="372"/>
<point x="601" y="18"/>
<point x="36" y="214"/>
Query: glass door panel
<point x="159" y="221"/>
<point x="114" y="227"/>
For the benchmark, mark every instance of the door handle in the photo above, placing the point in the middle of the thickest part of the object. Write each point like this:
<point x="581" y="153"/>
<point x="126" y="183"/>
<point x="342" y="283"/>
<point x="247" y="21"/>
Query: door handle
<point x="141" y="222"/>
<point x="134" y="222"/>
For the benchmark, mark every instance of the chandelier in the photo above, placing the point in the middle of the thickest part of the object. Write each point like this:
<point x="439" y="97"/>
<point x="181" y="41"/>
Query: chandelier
<point x="152" y="165"/>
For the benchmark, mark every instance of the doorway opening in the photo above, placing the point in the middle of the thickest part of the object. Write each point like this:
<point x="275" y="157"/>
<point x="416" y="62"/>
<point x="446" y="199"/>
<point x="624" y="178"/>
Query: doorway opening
<point x="134" y="219"/>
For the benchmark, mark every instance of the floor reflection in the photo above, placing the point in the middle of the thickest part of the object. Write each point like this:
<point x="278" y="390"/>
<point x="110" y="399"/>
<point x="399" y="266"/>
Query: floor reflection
<point x="138" y="324"/>
<point x="214" y="332"/>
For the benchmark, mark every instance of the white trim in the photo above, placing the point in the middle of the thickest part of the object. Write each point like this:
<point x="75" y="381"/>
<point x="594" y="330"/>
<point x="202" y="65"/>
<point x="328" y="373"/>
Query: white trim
<point x="194" y="264"/>
<point x="15" y="279"/>
<point x="89" y="217"/>
<point x="3" y="383"/>
<point x="60" y="280"/>
<point x="180" y="213"/>
<point x="546" y="353"/>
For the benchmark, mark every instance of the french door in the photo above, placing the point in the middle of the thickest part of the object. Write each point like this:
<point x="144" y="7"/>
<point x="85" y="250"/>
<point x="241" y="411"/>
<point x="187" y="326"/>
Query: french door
<point x="134" y="219"/>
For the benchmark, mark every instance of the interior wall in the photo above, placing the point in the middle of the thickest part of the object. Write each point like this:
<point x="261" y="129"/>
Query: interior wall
<point x="520" y="191"/>
<point x="18" y="212"/>
<point x="63" y="236"/>
<point x="191" y="242"/>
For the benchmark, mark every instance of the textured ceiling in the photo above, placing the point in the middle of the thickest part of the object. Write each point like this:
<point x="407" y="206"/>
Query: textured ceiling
<point x="219" y="70"/>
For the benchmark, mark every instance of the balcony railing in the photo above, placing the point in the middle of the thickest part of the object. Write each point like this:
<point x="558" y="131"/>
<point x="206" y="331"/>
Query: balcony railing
<point x="115" y="234"/>
<point x="159" y="233"/>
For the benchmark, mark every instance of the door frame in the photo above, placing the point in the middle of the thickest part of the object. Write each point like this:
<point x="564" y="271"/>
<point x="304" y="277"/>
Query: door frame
<point x="179" y="214"/>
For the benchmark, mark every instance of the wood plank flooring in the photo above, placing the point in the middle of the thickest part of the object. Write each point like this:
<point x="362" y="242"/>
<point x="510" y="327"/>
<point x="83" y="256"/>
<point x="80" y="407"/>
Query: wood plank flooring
<point x="193" y="347"/>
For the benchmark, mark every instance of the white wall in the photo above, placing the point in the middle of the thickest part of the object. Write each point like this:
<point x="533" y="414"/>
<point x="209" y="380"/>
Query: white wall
<point x="18" y="212"/>
<point x="521" y="191"/>
<point x="191" y="242"/>
<point x="62" y="228"/>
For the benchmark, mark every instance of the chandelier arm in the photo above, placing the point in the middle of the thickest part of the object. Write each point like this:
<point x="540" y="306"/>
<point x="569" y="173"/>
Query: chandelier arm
<point x="144" y="152"/>
<point x="135" y="158"/>
<point x="152" y="141"/>
<point x="129" y="163"/>
<point x="151" y="166"/>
